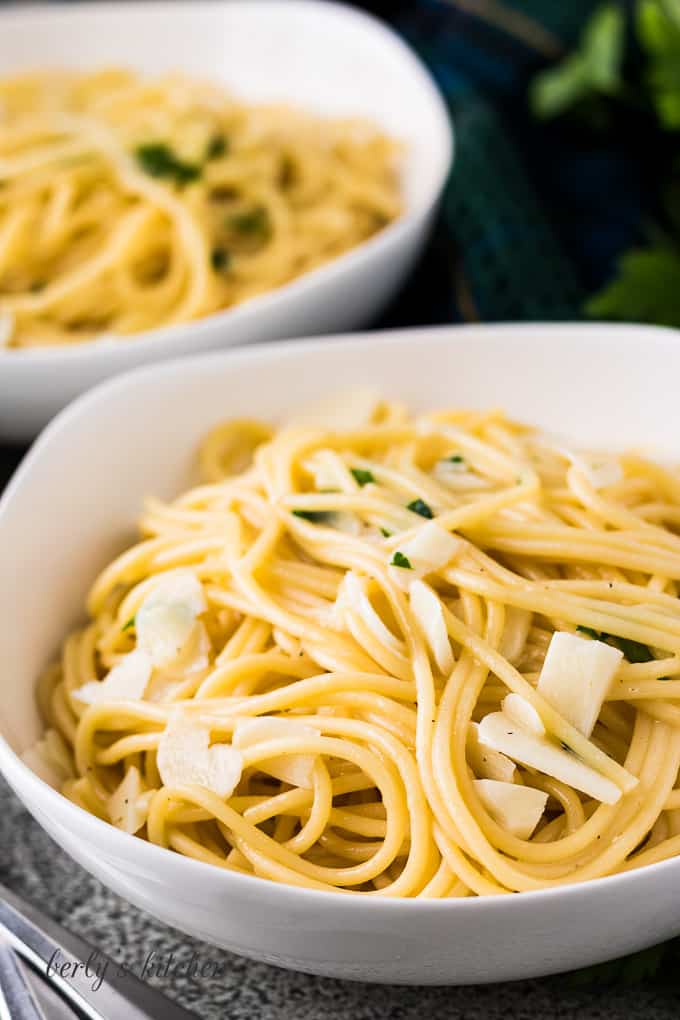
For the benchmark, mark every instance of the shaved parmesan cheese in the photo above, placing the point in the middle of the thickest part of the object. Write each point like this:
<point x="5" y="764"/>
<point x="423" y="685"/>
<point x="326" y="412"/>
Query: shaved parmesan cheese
<point x="128" y="805"/>
<point x="296" y="769"/>
<point x="6" y="329"/>
<point x="185" y="757"/>
<point x="576" y="676"/>
<point x="352" y="595"/>
<point x="327" y="470"/>
<point x="166" y="617"/>
<point x="50" y="759"/>
<point x="351" y="409"/>
<point x="501" y="733"/>
<point x="517" y="809"/>
<point x="127" y="681"/>
<point x="341" y="520"/>
<point x="429" y="615"/>
<point x="523" y="713"/>
<point x="431" y="548"/>
<point x="193" y="659"/>
<point x="484" y="761"/>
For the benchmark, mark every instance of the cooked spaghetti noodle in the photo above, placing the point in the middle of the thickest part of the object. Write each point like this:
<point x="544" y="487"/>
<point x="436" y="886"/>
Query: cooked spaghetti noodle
<point x="329" y="664"/>
<point x="128" y="204"/>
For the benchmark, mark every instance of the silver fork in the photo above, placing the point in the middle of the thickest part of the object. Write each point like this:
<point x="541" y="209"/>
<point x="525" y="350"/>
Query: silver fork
<point x="45" y="945"/>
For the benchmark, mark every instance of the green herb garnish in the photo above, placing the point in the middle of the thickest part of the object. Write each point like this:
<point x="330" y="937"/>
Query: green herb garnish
<point x="385" y="533"/>
<point x="315" y="516"/>
<point x="253" y="223"/>
<point x="456" y="459"/>
<point x="361" y="476"/>
<point x="633" y="651"/>
<point x="217" y="147"/>
<point x="594" y="69"/>
<point x="158" y="160"/>
<point x="399" y="560"/>
<point x="130" y="624"/>
<point x="220" y="259"/>
<point x="419" y="506"/>
<point x="622" y="72"/>
<point x="589" y="632"/>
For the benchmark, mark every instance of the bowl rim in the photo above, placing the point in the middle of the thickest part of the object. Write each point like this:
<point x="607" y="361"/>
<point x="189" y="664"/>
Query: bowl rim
<point x="36" y="792"/>
<point x="147" y="341"/>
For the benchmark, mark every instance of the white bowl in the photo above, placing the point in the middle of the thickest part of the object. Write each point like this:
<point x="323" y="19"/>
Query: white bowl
<point x="72" y="505"/>
<point x="322" y="56"/>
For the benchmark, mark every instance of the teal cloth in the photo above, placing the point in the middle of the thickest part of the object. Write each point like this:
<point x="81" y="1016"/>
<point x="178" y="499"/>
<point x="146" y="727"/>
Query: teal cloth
<point x="532" y="221"/>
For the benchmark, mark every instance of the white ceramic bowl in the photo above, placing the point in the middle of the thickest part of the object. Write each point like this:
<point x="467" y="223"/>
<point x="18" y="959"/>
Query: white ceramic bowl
<point x="72" y="505"/>
<point x="322" y="56"/>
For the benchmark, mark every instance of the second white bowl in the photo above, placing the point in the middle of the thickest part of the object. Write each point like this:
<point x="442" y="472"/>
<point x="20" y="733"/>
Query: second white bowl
<point x="324" y="57"/>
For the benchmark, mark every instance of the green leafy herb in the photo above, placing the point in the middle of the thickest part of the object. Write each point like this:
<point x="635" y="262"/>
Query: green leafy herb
<point x="252" y="223"/>
<point x="315" y="516"/>
<point x="217" y="147"/>
<point x="158" y="160"/>
<point x="589" y="632"/>
<point x="624" y="91"/>
<point x="386" y="533"/>
<point x="220" y="259"/>
<point x="399" y="560"/>
<point x="594" y="68"/>
<point x="361" y="476"/>
<point x="456" y="459"/>
<point x="658" y="29"/>
<point x="130" y="624"/>
<point x="633" y="651"/>
<point x="645" y="288"/>
<point x="419" y="506"/>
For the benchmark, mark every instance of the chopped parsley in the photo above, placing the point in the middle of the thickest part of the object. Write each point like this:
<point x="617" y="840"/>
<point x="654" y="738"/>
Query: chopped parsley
<point x="361" y="476"/>
<point x="589" y="632"/>
<point x="385" y="533"/>
<point x="217" y="147"/>
<point x="633" y="651"/>
<point x="158" y="160"/>
<point x="315" y="516"/>
<point x="220" y="259"/>
<point x="419" y="506"/>
<point x="254" y="223"/>
<point x="456" y="459"/>
<point x="399" y="560"/>
<point x="130" y="624"/>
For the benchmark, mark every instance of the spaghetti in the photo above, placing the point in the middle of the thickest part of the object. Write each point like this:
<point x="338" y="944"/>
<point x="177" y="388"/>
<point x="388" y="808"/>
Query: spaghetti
<point x="128" y="204"/>
<point x="416" y="657"/>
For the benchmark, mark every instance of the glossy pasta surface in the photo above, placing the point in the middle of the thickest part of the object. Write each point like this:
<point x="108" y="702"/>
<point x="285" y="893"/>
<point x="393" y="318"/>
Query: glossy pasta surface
<point x="129" y="203"/>
<point x="331" y="639"/>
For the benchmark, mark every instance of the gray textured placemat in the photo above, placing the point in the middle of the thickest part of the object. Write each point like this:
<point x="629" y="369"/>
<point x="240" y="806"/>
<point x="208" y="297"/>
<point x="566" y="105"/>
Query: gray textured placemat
<point x="34" y="867"/>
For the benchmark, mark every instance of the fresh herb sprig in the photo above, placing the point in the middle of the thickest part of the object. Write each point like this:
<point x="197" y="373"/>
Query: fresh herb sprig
<point x="633" y="651"/>
<point x="158" y="160"/>
<point x="420" y="507"/>
<point x="361" y="476"/>
<point x="623" y="77"/>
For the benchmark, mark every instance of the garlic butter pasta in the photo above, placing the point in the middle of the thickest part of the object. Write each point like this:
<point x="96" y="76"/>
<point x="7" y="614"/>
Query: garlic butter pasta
<point x="130" y="203"/>
<point x="428" y="656"/>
